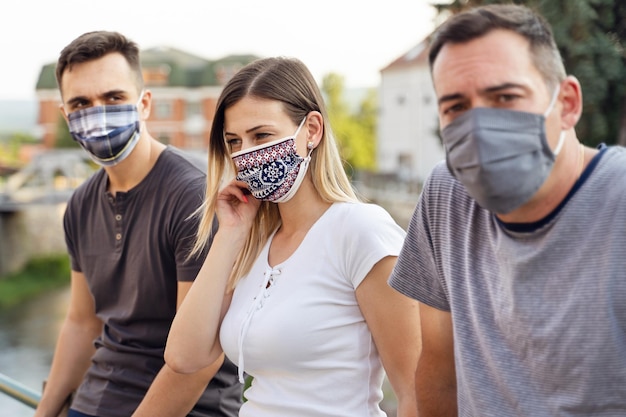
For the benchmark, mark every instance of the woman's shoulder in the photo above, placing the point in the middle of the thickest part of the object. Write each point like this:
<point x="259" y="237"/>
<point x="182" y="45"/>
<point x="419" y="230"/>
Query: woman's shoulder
<point x="361" y="216"/>
<point x="359" y="211"/>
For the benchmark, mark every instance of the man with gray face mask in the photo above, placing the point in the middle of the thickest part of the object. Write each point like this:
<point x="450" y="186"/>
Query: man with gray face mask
<point x="516" y="247"/>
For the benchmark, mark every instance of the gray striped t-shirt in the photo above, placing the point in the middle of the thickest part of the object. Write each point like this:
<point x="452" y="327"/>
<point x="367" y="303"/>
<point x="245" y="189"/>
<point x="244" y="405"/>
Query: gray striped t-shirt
<point x="538" y="310"/>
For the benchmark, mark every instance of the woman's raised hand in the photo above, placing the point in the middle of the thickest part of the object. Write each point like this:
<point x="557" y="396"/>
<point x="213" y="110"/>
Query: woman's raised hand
<point x="236" y="207"/>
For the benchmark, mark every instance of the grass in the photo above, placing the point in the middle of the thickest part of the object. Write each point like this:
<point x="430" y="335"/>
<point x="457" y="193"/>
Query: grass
<point x="39" y="275"/>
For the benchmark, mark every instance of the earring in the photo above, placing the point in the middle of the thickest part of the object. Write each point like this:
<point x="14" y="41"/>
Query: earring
<point x="309" y="145"/>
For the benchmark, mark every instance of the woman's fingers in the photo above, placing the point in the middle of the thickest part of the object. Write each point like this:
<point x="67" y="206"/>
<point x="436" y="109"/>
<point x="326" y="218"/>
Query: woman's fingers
<point x="235" y="205"/>
<point x="236" y="189"/>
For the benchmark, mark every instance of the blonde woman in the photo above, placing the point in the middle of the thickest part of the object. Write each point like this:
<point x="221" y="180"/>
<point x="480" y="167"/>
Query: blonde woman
<point x="294" y="288"/>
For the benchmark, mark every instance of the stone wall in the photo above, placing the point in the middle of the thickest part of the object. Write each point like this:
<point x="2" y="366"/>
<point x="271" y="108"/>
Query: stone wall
<point x="31" y="232"/>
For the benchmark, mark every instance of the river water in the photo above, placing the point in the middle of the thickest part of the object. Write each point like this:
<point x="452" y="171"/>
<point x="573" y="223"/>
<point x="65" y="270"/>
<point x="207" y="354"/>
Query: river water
<point x="28" y="335"/>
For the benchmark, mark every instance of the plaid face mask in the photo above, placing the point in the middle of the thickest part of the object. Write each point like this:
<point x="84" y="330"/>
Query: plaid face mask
<point x="107" y="133"/>
<point x="273" y="171"/>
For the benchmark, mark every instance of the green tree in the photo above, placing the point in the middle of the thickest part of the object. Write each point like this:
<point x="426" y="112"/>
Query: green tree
<point x="63" y="139"/>
<point x="355" y="131"/>
<point x="591" y="35"/>
<point x="10" y="148"/>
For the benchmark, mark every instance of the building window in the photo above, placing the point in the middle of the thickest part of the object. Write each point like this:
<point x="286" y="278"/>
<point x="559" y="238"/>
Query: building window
<point x="193" y="108"/>
<point x="195" y="142"/>
<point x="163" y="110"/>
<point x="158" y="75"/>
<point x="405" y="167"/>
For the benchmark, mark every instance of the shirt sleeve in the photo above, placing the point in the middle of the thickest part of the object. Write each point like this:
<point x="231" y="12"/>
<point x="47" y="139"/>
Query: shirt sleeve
<point x="372" y="234"/>
<point x="68" y="230"/>
<point x="416" y="274"/>
<point x="185" y="230"/>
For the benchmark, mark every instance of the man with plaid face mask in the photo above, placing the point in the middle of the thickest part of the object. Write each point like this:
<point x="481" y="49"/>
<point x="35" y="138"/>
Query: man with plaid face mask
<point x="128" y="232"/>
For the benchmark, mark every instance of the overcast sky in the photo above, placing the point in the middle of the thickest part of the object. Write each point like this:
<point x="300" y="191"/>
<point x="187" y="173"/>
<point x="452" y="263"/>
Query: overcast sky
<point x="354" y="38"/>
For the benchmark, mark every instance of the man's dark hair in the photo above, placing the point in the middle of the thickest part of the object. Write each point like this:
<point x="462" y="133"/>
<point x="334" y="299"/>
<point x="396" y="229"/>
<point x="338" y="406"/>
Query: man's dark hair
<point x="478" y="21"/>
<point x="93" y="45"/>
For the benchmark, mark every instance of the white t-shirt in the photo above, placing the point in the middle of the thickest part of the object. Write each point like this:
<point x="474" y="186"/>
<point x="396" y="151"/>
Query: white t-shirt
<point x="304" y="338"/>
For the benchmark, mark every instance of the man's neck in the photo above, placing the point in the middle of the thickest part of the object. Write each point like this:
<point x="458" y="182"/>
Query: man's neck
<point x="132" y="170"/>
<point x="564" y="175"/>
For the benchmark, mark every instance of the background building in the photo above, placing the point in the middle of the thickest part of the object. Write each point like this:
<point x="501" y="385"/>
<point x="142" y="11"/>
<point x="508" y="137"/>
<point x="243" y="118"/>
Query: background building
<point x="408" y="143"/>
<point x="184" y="87"/>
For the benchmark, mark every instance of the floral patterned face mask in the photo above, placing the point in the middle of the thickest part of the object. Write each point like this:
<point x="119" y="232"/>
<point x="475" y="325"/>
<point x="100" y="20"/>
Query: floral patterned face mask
<point x="274" y="170"/>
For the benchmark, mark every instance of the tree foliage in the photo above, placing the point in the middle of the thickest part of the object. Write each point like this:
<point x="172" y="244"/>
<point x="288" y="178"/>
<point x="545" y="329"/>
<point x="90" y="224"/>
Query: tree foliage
<point x="10" y="148"/>
<point x="63" y="137"/>
<point x="591" y="35"/>
<point x="355" y="131"/>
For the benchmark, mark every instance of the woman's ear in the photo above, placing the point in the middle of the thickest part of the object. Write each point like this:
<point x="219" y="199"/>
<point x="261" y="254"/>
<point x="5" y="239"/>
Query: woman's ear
<point x="315" y="128"/>
<point x="571" y="102"/>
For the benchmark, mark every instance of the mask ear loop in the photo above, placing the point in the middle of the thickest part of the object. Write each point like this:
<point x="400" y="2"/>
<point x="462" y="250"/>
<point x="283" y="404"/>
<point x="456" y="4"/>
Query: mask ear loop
<point x="295" y="135"/>
<point x="309" y="144"/>
<point x="140" y="97"/>
<point x="137" y="108"/>
<point x="552" y="101"/>
<point x="559" y="145"/>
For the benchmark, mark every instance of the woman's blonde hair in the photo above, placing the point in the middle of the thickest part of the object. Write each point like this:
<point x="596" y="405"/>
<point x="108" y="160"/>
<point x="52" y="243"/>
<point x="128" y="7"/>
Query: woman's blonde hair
<point x="289" y="81"/>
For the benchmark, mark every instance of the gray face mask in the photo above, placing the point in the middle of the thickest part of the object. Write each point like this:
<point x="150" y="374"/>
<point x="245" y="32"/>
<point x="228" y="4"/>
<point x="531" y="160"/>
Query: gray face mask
<point x="501" y="156"/>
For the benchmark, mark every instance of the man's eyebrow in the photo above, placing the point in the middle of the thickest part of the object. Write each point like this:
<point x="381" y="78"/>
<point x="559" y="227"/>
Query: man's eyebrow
<point x="112" y="93"/>
<point x="503" y="86"/>
<point x="105" y="95"/>
<point x="488" y="90"/>
<point x="449" y="97"/>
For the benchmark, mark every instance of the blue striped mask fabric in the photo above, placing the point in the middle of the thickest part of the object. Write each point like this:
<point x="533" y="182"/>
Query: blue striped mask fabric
<point x="107" y="133"/>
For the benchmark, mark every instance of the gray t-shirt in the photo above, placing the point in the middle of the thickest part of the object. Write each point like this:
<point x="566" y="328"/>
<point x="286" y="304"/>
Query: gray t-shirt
<point x="538" y="310"/>
<point x="132" y="249"/>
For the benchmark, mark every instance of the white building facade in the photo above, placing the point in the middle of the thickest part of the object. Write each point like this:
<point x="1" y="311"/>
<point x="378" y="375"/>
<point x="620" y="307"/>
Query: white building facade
<point x="408" y="140"/>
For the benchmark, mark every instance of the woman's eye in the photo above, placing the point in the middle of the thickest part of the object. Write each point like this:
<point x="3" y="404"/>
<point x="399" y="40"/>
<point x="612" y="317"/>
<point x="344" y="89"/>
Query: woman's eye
<point x="261" y="136"/>
<point x="234" y="144"/>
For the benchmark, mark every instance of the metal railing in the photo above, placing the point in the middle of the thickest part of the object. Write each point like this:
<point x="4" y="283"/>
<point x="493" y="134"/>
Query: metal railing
<point x="19" y="392"/>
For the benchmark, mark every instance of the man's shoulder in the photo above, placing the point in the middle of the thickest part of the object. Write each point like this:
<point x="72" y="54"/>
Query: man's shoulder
<point x="618" y="154"/>
<point x="608" y="167"/>
<point x="180" y="170"/>
<point x="441" y="185"/>
<point x="89" y="187"/>
<point x="186" y="159"/>
<point x="440" y="172"/>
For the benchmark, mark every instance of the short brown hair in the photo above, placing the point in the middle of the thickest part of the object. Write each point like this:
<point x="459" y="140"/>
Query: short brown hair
<point x="93" y="45"/>
<point x="478" y="21"/>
